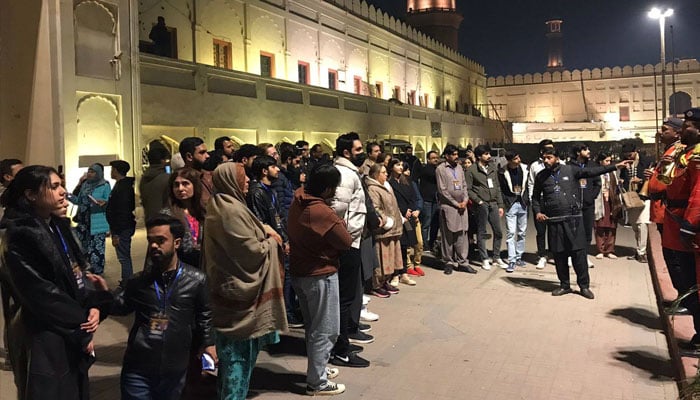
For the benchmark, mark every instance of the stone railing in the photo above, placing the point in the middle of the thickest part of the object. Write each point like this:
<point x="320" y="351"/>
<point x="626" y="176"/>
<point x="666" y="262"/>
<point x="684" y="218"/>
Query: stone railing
<point x="683" y="66"/>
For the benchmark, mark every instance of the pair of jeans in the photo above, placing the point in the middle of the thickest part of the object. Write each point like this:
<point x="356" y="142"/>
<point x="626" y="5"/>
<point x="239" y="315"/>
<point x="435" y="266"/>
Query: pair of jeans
<point x="516" y="225"/>
<point x="427" y="221"/>
<point x="151" y="386"/>
<point x="123" y="250"/>
<point x="320" y="307"/>
<point x="488" y="213"/>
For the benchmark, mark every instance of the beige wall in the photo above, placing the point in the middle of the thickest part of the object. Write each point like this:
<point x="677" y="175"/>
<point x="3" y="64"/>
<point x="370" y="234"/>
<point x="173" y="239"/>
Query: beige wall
<point x="552" y="104"/>
<point x="216" y="106"/>
<point x="361" y="40"/>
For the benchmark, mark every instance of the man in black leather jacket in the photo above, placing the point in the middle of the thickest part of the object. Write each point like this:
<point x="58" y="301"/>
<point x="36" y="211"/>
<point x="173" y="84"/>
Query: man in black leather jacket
<point x="170" y="302"/>
<point x="556" y="201"/>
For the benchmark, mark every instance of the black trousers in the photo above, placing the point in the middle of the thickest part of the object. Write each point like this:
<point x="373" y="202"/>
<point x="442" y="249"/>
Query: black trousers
<point x="580" y="262"/>
<point x="541" y="229"/>
<point x="681" y="268"/>
<point x="350" y="294"/>
<point x="588" y="221"/>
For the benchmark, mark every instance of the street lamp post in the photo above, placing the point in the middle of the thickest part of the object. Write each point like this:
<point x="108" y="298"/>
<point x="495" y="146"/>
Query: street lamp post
<point x="655" y="13"/>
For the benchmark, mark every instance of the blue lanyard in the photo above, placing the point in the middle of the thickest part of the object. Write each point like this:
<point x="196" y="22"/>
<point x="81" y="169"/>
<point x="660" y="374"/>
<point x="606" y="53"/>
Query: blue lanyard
<point x="556" y="179"/>
<point x="164" y="302"/>
<point x="454" y="171"/>
<point x="268" y="190"/>
<point x="63" y="242"/>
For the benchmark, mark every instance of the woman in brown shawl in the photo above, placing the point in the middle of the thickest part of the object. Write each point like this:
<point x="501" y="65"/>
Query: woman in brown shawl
<point x="242" y="259"/>
<point x="388" y="236"/>
<point x="607" y="211"/>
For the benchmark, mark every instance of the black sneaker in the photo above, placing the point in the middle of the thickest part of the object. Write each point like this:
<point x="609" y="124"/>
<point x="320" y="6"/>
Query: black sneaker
<point x="391" y="289"/>
<point x="364" y="328"/>
<point x="350" y="360"/>
<point x="355" y="348"/>
<point x="330" y="389"/>
<point x="380" y="292"/>
<point x="360" y="338"/>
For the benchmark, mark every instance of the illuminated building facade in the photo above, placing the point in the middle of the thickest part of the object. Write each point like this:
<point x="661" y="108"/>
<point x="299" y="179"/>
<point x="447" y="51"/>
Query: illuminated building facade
<point x="592" y="105"/>
<point x="87" y="86"/>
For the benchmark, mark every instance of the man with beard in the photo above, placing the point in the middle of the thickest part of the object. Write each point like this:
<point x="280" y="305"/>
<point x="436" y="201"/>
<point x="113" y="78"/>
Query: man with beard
<point x="224" y="145"/>
<point x="680" y="239"/>
<point x="170" y="302"/>
<point x="374" y="150"/>
<point x="246" y="155"/>
<point x="454" y="219"/>
<point x="428" y="190"/>
<point x="264" y="201"/>
<point x="349" y="203"/>
<point x="555" y="200"/>
<point x="589" y="189"/>
<point x="540" y="227"/>
<point x="194" y="154"/>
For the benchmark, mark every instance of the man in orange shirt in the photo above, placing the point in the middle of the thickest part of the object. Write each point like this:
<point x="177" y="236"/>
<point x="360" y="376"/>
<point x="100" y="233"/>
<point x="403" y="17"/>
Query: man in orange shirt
<point x="681" y="243"/>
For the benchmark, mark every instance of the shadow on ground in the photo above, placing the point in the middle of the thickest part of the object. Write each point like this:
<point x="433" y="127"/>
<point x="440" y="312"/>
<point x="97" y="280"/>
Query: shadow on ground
<point x="638" y="316"/>
<point x="105" y="387"/>
<point x="273" y="378"/>
<point x="292" y="343"/>
<point x="661" y="369"/>
<point x="112" y="354"/>
<point x="539" y="284"/>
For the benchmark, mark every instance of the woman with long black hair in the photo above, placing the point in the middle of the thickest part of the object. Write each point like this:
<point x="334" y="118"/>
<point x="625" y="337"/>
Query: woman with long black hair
<point x="406" y="199"/>
<point x="54" y="311"/>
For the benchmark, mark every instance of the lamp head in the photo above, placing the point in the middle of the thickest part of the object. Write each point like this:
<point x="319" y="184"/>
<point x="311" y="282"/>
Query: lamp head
<point x="656" y="13"/>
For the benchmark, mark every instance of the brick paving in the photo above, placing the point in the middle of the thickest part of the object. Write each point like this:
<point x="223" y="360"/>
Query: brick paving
<point x="487" y="336"/>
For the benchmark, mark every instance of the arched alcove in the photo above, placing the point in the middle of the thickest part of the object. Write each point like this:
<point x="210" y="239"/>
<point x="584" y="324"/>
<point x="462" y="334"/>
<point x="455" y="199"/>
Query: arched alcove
<point x="679" y="102"/>
<point x="99" y="126"/>
<point x="95" y="27"/>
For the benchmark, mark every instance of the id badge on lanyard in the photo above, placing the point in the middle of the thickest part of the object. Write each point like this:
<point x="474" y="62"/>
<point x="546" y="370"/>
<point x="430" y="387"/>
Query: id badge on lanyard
<point x="75" y="267"/>
<point x="158" y="321"/>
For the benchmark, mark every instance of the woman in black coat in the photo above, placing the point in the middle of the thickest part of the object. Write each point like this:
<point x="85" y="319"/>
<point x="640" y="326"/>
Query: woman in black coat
<point x="54" y="314"/>
<point x="406" y="199"/>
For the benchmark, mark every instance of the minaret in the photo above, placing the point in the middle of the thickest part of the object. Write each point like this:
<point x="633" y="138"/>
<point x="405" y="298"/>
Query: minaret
<point x="436" y="18"/>
<point x="555" y="60"/>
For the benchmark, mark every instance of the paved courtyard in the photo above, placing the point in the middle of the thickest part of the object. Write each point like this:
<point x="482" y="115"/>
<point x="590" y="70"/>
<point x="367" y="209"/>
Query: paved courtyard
<point x="487" y="336"/>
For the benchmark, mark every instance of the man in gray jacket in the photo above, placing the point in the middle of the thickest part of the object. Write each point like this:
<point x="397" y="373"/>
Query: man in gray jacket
<point x="485" y="194"/>
<point x="454" y="220"/>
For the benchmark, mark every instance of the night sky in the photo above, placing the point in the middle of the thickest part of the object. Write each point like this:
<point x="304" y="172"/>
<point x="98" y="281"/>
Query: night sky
<point x="507" y="36"/>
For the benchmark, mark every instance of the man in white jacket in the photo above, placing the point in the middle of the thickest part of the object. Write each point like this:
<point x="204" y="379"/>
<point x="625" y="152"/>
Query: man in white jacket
<point x="349" y="204"/>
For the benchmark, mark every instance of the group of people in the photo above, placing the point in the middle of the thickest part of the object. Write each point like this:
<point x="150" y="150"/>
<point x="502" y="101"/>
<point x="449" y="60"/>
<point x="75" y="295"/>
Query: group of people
<point x="244" y="244"/>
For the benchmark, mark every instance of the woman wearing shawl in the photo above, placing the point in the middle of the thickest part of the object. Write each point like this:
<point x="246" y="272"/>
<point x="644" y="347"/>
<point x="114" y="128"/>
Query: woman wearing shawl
<point x="242" y="259"/>
<point x="185" y="203"/>
<point x="91" y="197"/>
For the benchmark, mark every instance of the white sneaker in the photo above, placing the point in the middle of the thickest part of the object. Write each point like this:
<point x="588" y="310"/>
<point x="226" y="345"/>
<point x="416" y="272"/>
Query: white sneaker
<point x="486" y="265"/>
<point x="541" y="263"/>
<point x="332" y="372"/>
<point x="365" y="299"/>
<point x="590" y="264"/>
<point x="570" y="263"/>
<point x="368" y="316"/>
<point x="501" y="263"/>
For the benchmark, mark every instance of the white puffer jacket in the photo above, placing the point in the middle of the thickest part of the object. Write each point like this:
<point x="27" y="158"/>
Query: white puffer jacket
<point x="349" y="200"/>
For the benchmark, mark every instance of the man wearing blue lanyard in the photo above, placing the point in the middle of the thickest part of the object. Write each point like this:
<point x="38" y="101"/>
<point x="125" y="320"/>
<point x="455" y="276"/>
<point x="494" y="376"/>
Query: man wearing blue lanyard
<point x="589" y="189"/>
<point x="170" y="302"/>
<point x="555" y="201"/>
